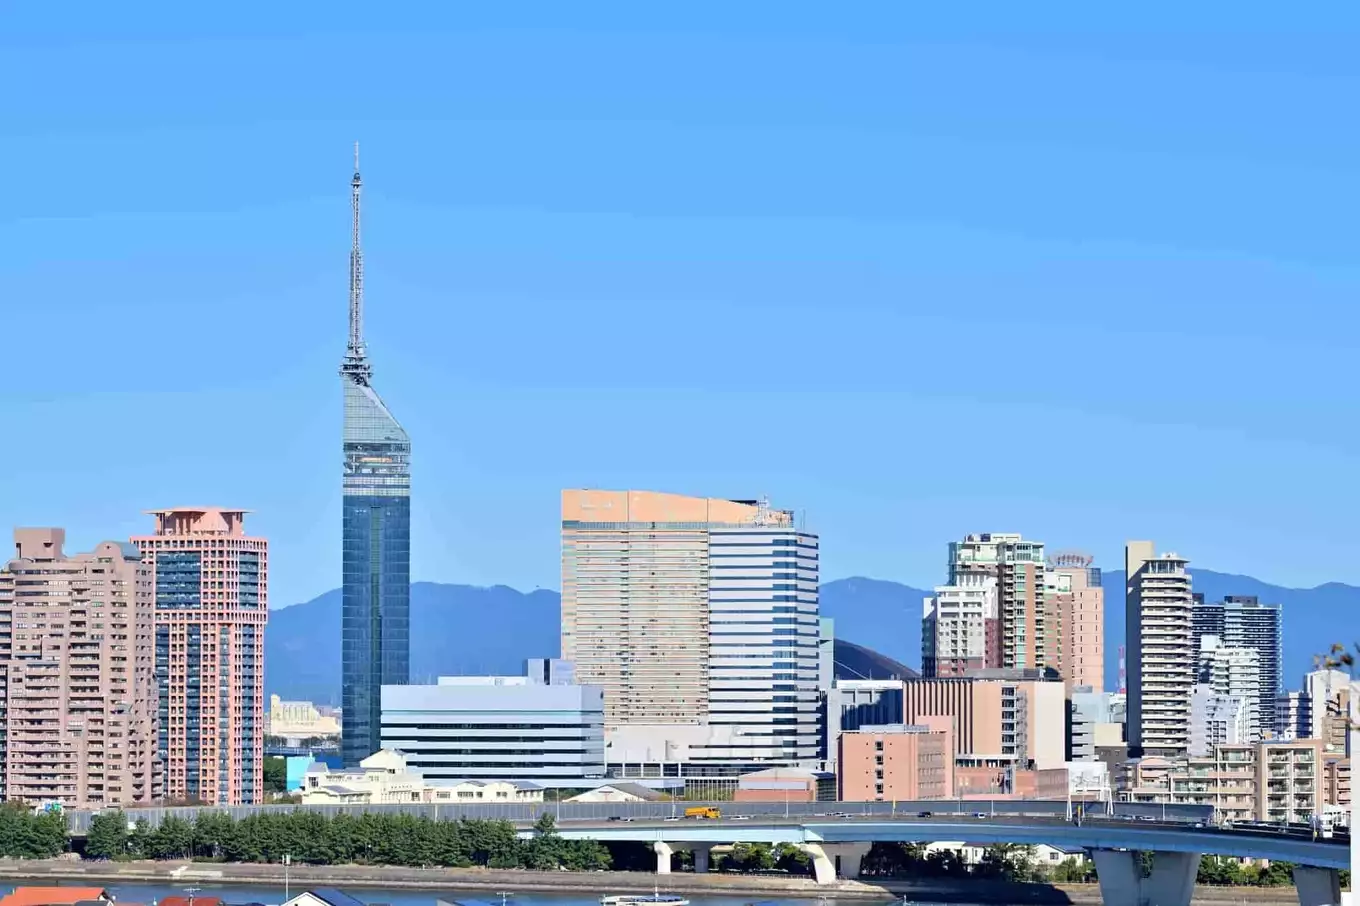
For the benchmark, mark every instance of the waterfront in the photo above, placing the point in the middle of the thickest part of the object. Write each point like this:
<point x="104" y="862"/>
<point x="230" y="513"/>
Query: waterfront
<point x="275" y="895"/>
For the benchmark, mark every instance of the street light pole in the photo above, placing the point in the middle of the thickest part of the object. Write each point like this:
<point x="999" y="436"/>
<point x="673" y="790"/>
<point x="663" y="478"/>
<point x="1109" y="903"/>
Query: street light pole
<point x="287" y="860"/>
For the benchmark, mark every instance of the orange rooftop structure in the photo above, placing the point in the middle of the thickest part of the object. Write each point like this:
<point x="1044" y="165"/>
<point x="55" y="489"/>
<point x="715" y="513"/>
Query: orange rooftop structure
<point x="55" y="896"/>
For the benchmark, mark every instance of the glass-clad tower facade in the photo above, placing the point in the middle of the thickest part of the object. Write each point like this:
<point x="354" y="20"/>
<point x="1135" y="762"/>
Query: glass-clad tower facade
<point x="376" y="588"/>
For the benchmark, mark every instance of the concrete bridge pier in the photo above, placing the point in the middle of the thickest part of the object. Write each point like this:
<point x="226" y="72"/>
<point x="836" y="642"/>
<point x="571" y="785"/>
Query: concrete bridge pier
<point x="1171" y="883"/>
<point x="663" y="851"/>
<point x="1317" y="886"/>
<point x="701" y="862"/>
<point x="826" y="856"/>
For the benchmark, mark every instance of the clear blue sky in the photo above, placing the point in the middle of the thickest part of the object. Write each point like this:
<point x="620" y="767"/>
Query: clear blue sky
<point x="914" y="269"/>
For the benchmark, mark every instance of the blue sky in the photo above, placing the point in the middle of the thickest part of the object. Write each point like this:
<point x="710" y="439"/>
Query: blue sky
<point x="911" y="269"/>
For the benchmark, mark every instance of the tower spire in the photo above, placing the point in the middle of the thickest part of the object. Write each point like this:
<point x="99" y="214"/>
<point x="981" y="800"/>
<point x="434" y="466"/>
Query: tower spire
<point x="356" y="356"/>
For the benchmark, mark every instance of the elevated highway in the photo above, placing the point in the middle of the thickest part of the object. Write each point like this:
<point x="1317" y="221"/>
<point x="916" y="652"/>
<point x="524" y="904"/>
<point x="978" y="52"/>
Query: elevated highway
<point x="841" y="842"/>
<point x="836" y="835"/>
<point x="564" y="812"/>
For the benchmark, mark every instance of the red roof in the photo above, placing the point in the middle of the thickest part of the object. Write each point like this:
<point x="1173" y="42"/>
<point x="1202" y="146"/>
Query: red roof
<point x="53" y="896"/>
<point x="184" y="901"/>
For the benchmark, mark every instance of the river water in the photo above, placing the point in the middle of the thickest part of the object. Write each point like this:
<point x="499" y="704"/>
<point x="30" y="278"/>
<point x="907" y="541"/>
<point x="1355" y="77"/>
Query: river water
<point x="247" y="893"/>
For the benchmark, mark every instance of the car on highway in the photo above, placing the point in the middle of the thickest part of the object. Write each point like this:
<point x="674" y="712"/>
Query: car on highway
<point x="671" y="818"/>
<point x="741" y="817"/>
<point x="1146" y="818"/>
<point x="979" y="814"/>
<point x="925" y="814"/>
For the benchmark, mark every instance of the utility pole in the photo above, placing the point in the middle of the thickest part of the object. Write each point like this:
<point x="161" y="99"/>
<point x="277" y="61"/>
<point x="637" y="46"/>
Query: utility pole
<point x="287" y="860"/>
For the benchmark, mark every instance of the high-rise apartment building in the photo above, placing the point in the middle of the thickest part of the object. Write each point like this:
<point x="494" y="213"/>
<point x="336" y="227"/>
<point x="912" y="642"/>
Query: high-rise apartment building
<point x="1161" y="668"/>
<point x="960" y="626"/>
<point x="1074" y="592"/>
<point x="1241" y="621"/>
<point x="376" y="558"/>
<point x="1234" y="673"/>
<point x="212" y="603"/>
<point x="699" y="618"/>
<point x="77" y="692"/>
<point x="1028" y="634"/>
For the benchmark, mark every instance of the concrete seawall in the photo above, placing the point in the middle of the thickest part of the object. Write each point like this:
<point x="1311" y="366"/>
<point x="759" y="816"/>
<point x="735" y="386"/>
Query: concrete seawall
<point x="178" y="874"/>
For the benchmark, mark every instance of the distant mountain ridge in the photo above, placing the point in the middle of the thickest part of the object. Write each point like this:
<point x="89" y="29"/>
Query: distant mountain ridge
<point x="468" y="629"/>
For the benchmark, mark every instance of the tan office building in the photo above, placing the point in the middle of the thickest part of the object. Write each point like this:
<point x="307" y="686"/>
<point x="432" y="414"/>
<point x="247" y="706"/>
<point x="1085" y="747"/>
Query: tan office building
<point x="78" y="699"/>
<point x="699" y="618"/>
<point x="1002" y="717"/>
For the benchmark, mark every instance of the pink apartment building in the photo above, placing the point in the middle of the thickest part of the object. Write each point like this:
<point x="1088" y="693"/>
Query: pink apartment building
<point x="77" y="690"/>
<point x="211" y="606"/>
<point x="1075" y="591"/>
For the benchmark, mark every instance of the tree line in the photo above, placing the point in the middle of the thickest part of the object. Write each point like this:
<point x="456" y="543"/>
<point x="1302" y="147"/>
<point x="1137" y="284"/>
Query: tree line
<point x="1016" y="862"/>
<point x="367" y="839"/>
<point x="26" y="835"/>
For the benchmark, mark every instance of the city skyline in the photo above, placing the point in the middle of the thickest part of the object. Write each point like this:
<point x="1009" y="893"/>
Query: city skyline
<point x="525" y="305"/>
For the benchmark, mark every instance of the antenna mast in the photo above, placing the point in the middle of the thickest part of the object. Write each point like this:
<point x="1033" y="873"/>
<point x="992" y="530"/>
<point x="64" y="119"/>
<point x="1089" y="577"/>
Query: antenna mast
<point x="356" y="356"/>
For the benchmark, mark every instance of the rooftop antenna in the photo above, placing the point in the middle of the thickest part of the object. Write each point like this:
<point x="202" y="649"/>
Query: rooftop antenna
<point x="356" y="366"/>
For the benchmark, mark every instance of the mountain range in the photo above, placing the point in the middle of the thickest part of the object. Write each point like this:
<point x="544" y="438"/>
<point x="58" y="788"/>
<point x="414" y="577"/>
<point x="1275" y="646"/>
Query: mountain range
<point x="458" y="629"/>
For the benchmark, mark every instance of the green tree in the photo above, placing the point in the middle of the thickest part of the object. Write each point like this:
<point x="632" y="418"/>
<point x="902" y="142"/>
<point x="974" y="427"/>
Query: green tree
<point x="1072" y="871"/>
<point x="275" y="774"/>
<point x="790" y="858"/>
<point x="1221" y="871"/>
<point x="1276" y="874"/>
<point x="1007" y="861"/>
<point x="107" y="837"/>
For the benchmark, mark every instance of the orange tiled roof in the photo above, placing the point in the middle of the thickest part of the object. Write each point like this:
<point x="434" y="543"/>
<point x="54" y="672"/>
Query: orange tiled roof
<point x="53" y="896"/>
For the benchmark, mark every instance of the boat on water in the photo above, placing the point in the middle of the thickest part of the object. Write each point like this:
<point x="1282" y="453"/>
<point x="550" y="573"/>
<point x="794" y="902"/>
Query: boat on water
<point x="656" y="898"/>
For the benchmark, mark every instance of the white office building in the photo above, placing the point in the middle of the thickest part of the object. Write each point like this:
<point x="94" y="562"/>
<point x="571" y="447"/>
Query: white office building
<point x="1217" y="719"/>
<point x="515" y="728"/>
<point x="699" y="617"/>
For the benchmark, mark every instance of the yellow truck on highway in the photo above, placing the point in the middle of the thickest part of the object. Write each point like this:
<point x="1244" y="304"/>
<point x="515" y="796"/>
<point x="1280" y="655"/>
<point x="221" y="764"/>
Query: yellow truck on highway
<point x="703" y="811"/>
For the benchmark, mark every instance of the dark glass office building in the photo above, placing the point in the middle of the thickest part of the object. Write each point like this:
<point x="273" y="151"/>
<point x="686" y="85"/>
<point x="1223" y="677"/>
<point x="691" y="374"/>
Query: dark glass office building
<point x="376" y="589"/>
